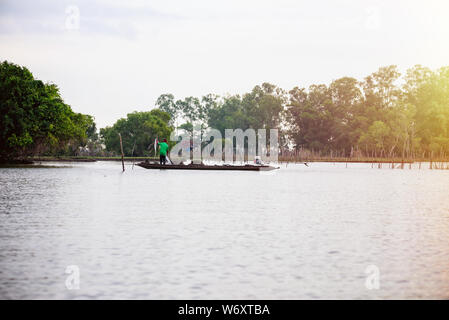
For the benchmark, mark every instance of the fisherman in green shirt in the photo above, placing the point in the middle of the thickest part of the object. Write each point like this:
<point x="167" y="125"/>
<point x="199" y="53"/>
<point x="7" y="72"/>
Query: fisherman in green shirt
<point x="163" y="148"/>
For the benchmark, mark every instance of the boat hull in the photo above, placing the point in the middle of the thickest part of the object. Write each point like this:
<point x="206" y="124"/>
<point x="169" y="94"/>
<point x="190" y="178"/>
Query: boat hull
<point x="205" y="167"/>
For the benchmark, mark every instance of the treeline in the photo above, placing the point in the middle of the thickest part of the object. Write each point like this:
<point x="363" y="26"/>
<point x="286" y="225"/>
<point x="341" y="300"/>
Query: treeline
<point x="36" y="121"/>
<point x="138" y="131"/>
<point x="385" y="115"/>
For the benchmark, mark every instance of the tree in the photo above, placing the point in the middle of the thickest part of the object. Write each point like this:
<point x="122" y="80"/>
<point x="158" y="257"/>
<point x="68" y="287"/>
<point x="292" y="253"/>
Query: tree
<point x="261" y="108"/>
<point x="229" y="115"/>
<point x="138" y="131"/>
<point x="166" y="103"/>
<point x="347" y="99"/>
<point x="381" y="89"/>
<point x="310" y="117"/>
<point x="376" y="137"/>
<point x="34" y="118"/>
<point x="428" y="92"/>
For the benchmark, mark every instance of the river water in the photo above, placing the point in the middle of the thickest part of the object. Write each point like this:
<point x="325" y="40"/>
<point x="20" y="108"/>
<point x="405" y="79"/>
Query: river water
<point x="89" y="231"/>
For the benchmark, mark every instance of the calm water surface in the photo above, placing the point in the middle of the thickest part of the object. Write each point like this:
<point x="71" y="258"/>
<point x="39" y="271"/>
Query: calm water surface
<point x="298" y="233"/>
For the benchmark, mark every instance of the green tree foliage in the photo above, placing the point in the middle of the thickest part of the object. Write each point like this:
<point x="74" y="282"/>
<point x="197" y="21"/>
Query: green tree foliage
<point x="310" y="117"/>
<point x="193" y="110"/>
<point x="34" y="118"/>
<point x="377" y="116"/>
<point x="428" y="93"/>
<point x="229" y="115"/>
<point x="166" y="103"/>
<point x="385" y="114"/>
<point x="260" y="108"/>
<point x="138" y="131"/>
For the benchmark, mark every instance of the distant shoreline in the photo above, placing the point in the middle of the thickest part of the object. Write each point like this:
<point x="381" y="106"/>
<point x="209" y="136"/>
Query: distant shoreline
<point x="88" y="159"/>
<point x="281" y="160"/>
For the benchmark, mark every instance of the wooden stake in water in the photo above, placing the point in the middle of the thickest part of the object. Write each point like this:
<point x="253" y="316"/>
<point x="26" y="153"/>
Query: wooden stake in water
<point x="121" y="148"/>
<point x="431" y="163"/>
<point x="132" y="154"/>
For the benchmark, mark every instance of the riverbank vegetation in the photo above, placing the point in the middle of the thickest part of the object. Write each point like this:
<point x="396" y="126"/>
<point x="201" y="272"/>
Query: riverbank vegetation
<point x="35" y="120"/>
<point x="138" y="131"/>
<point x="384" y="116"/>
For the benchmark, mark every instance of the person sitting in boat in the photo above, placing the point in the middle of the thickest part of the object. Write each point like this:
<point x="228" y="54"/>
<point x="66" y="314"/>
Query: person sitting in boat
<point x="163" y="148"/>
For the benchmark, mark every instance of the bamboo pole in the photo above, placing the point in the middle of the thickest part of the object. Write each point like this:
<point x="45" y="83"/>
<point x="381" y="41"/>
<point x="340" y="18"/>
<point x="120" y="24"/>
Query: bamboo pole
<point x="431" y="163"/>
<point x="121" y="149"/>
<point x="132" y="154"/>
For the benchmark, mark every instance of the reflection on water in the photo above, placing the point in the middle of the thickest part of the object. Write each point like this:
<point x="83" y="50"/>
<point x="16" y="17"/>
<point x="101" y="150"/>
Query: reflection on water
<point x="300" y="233"/>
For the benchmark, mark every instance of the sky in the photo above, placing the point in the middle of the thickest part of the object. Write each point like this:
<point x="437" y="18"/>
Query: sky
<point x="110" y="58"/>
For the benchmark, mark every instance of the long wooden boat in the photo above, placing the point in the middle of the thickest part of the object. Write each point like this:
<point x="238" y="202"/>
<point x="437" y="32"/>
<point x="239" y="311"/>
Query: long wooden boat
<point x="248" y="167"/>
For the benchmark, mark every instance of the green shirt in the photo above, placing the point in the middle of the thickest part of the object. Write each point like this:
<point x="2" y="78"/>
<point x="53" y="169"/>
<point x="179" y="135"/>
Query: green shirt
<point x="163" y="148"/>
